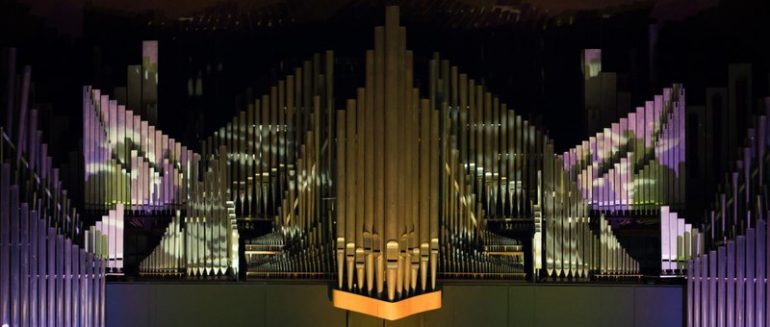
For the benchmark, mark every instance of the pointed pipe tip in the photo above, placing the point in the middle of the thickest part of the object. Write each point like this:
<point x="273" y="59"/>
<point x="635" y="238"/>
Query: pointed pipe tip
<point x="391" y="283"/>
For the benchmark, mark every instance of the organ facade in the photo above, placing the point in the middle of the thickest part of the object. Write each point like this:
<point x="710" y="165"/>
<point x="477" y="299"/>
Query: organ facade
<point x="422" y="175"/>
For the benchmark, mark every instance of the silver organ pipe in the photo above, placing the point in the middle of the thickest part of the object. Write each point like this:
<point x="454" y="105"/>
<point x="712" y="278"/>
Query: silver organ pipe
<point x="128" y="161"/>
<point x="205" y="242"/>
<point x="53" y="266"/>
<point x="287" y="146"/>
<point x="638" y="163"/>
<point x="403" y="185"/>
<point x="387" y="193"/>
<point x="725" y="260"/>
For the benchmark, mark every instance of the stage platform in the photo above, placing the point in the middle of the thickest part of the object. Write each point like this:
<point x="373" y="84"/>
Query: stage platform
<point x="297" y="303"/>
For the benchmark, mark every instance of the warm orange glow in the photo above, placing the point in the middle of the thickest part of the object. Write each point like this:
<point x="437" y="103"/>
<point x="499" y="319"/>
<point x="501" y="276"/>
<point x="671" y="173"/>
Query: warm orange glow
<point x="384" y="309"/>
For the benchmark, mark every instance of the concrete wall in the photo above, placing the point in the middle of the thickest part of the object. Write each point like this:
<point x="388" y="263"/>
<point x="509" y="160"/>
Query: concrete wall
<point x="308" y="304"/>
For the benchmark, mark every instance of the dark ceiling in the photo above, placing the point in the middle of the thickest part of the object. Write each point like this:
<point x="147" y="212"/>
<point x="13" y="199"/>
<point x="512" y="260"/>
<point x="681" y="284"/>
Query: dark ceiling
<point x="66" y="15"/>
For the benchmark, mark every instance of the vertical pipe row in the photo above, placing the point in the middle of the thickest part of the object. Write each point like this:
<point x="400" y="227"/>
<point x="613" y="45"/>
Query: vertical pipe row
<point x="387" y="163"/>
<point x="727" y="266"/>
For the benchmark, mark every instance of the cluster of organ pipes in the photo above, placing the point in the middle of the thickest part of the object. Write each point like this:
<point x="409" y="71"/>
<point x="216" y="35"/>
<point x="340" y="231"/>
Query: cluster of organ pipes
<point x="387" y="171"/>
<point x="727" y="274"/>
<point x="129" y="161"/>
<point x="205" y="242"/>
<point x="610" y="258"/>
<point x="568" y="242"/>
<point x="51" y="265"/>
<point x="679" y="242"/>
<point x="279" y="157"/>
<point x="168" y="258"/>
<point x="490" y="159"/>
<point x="638" y="162"/>
<point x="130" y="164"/>
<point x="571" y="248"/>
<point x="501" y="170"/>
<point x="387" y="193"/>
<point x="267" y="140"/>
<point x="112" y="226"/>
<point x="490" y="166"/>
<point x="411" y="169"/>
<point x="634" y="164"/>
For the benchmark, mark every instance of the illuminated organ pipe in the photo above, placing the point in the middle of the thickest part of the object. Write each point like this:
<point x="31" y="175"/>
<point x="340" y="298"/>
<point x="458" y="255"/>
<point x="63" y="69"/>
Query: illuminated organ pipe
<point x="638" y="162"/>
<point x="502" y="170"/>
<point x="128" y="161"/>
<point x="112" y="225"/>
<point x="508" y="173"/>
<point x="613" y="259"/>
<point x="280" y="155"/>
<point x="52" y="269"/>
<point x="487" y="152"/>
<point x="205" y="242"/>
<point x="168" y="258"/>
<point x="727" y="276"/>
<point x="129" y="165"/>
<point x="462" y="161"/>
<point x="209" y="219"/>
<point x="572" y="249"/>
<point x="384" y="244"/>
<point x="679" y="242"/>
<point x="489" y="169"/>
<point x="149" y="81"/>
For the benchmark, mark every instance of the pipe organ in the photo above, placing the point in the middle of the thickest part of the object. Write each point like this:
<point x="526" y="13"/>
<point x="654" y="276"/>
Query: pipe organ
<point x="130" y="162"/>
<point x="727" y="272"/>
<point x="387" y="171"/>
<point x="205" y="242"/>
<point x="418" y="175"/>
<point x="612" y="260"/>
<point x="406" y="182"/>
<point x="111" y="225"/>
<point x="568" y="243"/>
<point x="130" y="165"/>
<point x="395" y="187"/>
<point x="488" y="155"/>
<point x="638" y="162"/>
<point x="572" y="249"/>
<point x="51" y="264"/>
<point x="505" y="170"/>
<point x="679" y="243"/>
<point x="168" y="258"/>
<point x="279" y="150"/>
